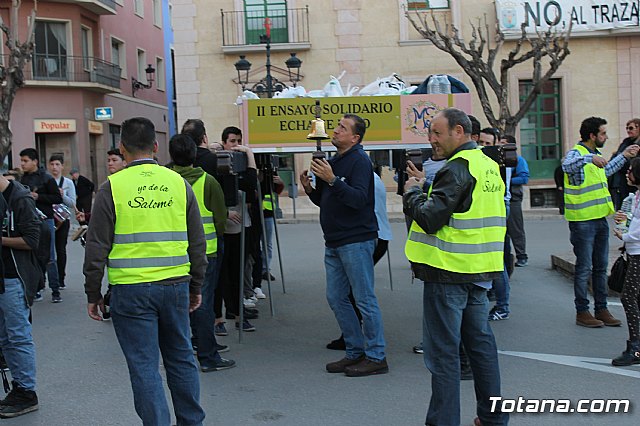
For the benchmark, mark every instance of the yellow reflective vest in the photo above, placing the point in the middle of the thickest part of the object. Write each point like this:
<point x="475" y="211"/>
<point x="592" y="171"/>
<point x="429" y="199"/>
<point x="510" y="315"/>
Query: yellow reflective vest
<point x="267" y="204"/>
<point x="207" y="216"/>
<point x="150" y="239"/>
<point x="472" y="242"/>
<point x="591" y="199"/>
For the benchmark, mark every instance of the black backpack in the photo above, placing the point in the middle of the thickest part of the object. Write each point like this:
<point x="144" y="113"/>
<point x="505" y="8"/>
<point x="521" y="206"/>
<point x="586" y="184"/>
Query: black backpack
<point x="43" y="253"/>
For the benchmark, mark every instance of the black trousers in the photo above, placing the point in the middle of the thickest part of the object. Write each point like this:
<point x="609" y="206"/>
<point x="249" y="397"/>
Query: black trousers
<point x="515" y="230"/>
<point x="62" y="236"/>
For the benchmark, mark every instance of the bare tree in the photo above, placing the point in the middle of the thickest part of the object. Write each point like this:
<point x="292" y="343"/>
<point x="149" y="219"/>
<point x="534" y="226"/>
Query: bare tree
<point x="546" y="49"/>
<point x="11" y="75"/>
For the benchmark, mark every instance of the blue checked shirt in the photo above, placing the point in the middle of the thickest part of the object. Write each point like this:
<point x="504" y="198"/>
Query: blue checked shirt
<point x="574" y="162"/>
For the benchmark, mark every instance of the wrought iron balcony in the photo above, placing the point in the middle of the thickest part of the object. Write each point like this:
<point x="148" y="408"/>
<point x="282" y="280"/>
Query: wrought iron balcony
<point x="100" y="7"/>
<point x="242" y="29"/>
<point x="76" y="71"/>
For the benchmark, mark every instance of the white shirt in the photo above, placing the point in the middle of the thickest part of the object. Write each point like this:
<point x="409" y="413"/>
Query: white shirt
<point x="632" y="238"/>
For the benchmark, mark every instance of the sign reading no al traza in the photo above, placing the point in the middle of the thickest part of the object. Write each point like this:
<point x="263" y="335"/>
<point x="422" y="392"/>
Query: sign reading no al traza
<point x="104" y="113"/>
<point x="584" y="15"/>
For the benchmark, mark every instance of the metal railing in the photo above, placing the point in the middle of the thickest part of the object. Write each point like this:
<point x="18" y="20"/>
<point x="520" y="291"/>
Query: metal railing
<point x="241" y="27"/>
<point x="109" y="3"/>
<point x="78" y="69"/>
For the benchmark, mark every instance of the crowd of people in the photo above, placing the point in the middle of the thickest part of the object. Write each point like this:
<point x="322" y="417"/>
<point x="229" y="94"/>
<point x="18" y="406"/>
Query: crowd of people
<point x="182" y="248"/>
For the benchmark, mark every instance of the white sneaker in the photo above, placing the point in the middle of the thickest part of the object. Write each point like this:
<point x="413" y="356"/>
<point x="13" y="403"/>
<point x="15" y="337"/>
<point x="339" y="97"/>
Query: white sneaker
<point x="248" y="303"/>
<point x="259" y="293"/>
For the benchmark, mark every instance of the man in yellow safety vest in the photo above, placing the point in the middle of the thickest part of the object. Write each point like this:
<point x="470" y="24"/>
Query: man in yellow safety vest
<point x="146" y="228"/>
<point x="455" y="245"/>
<point x="587" y="203"/>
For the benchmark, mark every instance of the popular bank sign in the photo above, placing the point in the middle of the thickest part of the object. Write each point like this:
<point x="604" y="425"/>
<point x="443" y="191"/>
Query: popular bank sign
<point x="584" y="15"/>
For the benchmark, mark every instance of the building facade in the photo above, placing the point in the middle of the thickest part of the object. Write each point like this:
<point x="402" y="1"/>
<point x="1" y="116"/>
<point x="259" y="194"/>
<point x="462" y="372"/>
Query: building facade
<point x="367" y="41"/>
<point x="87" y="75"/>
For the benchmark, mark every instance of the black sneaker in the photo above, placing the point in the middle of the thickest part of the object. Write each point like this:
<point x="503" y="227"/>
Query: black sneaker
<point x="221" y="364"/>
<point x="18" y="402"/>
<point x="418" y="349"/>
<point x="337" y="344"/>
<point x="56" y="298"/>
<point x="62" y="286"/>
<point x="246" y="326"/>
<point x="222" y="348"/>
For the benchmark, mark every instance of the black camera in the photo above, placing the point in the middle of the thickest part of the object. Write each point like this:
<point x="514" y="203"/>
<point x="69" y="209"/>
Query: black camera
<point x="268" y="162"/>
<point x="231" y="162"/>
<point x="505" y="155"/>
<point x="417" y="156"/>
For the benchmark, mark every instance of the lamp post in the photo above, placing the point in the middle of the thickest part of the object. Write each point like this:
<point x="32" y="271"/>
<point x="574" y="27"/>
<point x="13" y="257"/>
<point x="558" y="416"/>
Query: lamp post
<point x="269" y="84"/>
<point x="138" y="85"/>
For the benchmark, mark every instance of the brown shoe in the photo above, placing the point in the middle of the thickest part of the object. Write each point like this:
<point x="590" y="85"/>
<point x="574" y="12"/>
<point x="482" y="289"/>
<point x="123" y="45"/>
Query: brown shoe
<point x="367" y="367"/>
<point x="605" y="316"/>
<point x="339" y="366"/>
<point x="585" y="319"/>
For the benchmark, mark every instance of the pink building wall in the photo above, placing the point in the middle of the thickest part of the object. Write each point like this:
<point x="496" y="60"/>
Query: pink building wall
<point x="59" y="100"/>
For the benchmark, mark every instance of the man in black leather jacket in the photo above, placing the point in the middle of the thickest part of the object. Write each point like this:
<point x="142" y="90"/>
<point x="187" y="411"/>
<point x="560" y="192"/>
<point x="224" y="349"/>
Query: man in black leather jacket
<point x="19" y="280"/>
<point x="455" y="304"/>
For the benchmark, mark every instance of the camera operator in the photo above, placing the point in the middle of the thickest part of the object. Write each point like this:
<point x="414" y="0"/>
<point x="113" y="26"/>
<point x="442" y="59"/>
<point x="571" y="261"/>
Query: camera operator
<point x="488" y="138"/>
<point x="270" y="183"/>
<point x="515" y="222"/>
<point x="239" y="215"/>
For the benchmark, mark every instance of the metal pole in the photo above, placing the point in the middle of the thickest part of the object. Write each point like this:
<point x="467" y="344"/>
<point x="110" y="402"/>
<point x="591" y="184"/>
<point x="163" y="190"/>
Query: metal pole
<point x="294" y="183"/>
<point x="275" y="230"/>
<point x="389" y="263"/>
<point x="243" y="199"/>
<point x="268" y="66"/>
<point x="264" y="237"/>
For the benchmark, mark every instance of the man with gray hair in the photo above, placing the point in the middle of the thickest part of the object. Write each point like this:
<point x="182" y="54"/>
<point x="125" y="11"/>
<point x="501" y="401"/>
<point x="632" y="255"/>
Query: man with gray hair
<point x="455" y="246"/>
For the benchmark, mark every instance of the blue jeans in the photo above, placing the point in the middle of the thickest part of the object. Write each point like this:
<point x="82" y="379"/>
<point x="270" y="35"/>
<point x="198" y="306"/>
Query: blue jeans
<point x="350" y="268"/>
<point x="150" y="319"/>
<point x="590" y="240"/>
<point x="52" y="266"/>
<point x="203" y="319"/>
<point x="502" y="289"/>
<point x="454" y="312"/>
<point x="268" y="253"/>
<point x="15" y="334"/>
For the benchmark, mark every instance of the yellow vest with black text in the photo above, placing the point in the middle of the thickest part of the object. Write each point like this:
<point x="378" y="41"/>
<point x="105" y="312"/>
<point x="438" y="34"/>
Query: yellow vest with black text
<point x="472" y="242"/>
<point x="590" y="200"/>
<point x="150" y="236"/>
<point x="207" y="216"/>
<point x="267" y="204"/>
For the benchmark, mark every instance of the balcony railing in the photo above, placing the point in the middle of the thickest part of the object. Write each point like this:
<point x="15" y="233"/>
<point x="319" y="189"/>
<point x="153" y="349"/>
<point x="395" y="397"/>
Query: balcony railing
<point x="241" y="28"/>
<point x="101" y="7"/>
<point x="75" y="69"/>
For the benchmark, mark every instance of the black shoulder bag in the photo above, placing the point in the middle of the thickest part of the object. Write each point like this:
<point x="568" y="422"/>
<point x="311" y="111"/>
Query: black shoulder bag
<point x="618" y="272"/>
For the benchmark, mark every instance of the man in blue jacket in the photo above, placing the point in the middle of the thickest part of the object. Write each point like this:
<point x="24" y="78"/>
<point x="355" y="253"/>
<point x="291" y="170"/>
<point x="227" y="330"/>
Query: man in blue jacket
<point x="345" y="194"/>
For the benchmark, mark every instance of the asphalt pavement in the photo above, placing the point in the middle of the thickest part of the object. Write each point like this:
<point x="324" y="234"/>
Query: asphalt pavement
<point x="280" y="378"/>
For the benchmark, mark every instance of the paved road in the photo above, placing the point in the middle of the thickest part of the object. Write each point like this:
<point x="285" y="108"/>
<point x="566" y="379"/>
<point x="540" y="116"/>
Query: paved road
<point x="280" y="378"/>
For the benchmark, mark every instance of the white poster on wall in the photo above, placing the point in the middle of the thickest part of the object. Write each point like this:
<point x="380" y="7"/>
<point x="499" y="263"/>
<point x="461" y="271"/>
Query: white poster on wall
<point x="584" y="15"/>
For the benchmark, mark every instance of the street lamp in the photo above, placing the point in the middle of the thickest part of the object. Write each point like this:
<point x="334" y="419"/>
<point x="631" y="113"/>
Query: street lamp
<point x="294" y="63"/>
<point x="138" y="85"/>
<point x="269" y="84"/>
